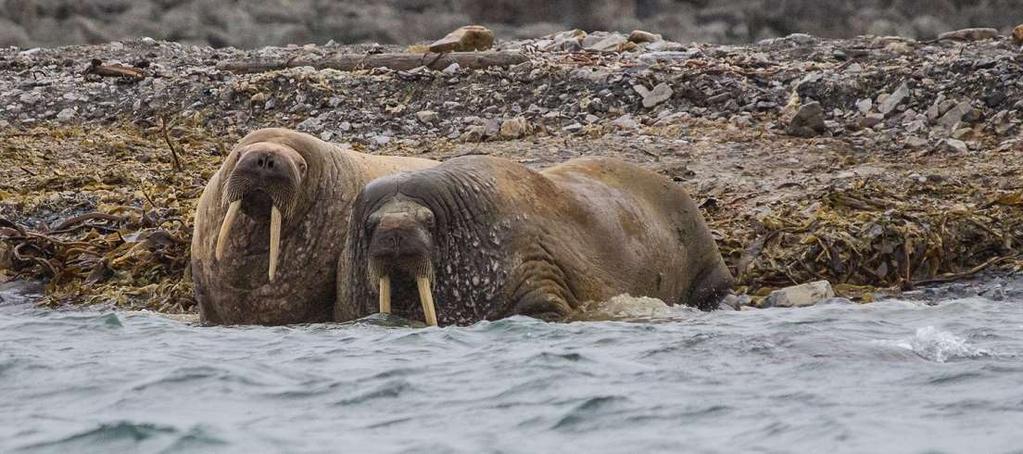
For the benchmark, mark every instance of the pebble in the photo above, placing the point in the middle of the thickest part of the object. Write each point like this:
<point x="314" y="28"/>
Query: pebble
<point x="427" y="116"/>
<point x="954" y="115"/>
<point x="452" y="69"/>
<point x="641" y="36"/>
<point x="864" y="105"/>
<point x="891" y="101"/>
<point x="574" y="127"/>
<point x="871" y="120"/>
<point x="625" y="122"/>
<point x="954" y="145"/>
<point x="311" y="124"/>
<point x="808" y="121"/>
<point x="610" y="43"/>
<point x="651" y="98"/>
<point x="1017" y="34"/>
<point x="66" y="114"/>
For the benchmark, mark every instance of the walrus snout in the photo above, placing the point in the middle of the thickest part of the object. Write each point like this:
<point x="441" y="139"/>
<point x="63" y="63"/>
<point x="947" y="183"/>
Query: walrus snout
<point x="400" y="247"/>
<point x="264" y="171"/>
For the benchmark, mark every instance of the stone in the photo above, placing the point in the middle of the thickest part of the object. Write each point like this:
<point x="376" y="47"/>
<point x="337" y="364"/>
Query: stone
<point x="464" y="39"/>
<point x="474" y="134"/>
<point x="969" y="34"/>
<point x="611" y="43"/>
<point x="802" y="295"/>
<point x="641" y="36"/>
<point x="1017" y="34"/>
<point x="625" y="122"/>
<point x="893" y="100"/>
<point x="576" y="35"/>
<point x="801" y="39"/>
<point x="808" y="121"/>
<point x="513" y="128"/>
<point x="651" y="98"/>
<point x="574" y="127"/>
<point x="864" y="105"/>
<point x="871" y="120"/>
<point x="427" y="116"/>
<point x="492" y="128"/>
<point x="916" y="142"/>
<point x="67" y="114"/>
<point x="452" y="69"/>
<point x="955" y="115"/>
<point x="311" y="124"/>
<point x="954" y="146"/>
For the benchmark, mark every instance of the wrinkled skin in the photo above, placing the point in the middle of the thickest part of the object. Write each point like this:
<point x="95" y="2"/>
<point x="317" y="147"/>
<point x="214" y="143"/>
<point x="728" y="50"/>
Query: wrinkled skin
<point x="312" y="184"/>
<point x="501" y="239"/>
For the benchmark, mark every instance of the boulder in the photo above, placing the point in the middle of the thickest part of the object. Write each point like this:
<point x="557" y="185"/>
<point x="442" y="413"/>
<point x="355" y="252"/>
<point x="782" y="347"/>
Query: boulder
<point x="800" y="295"/>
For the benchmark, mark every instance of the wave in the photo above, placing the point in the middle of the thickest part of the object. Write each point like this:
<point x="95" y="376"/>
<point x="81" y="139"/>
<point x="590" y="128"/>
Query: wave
<point x="940" y="346"/>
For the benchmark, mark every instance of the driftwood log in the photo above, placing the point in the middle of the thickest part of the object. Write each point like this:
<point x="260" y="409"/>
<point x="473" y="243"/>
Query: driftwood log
<point x="395" y="61"/>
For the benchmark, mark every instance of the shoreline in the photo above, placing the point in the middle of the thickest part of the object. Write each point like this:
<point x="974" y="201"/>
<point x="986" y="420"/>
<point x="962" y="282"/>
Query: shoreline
<point x="912" y="171"/>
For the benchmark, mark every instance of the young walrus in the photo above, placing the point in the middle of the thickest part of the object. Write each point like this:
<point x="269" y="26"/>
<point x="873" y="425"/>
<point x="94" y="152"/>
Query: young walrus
<point x="480" y="238"/>
<point x="266" y="240"/>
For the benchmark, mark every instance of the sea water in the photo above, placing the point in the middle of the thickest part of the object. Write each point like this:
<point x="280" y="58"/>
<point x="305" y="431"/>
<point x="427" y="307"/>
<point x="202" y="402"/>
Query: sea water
<point x="937" y="372"/>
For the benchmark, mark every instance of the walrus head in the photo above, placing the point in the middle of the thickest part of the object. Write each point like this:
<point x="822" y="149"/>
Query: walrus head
<point x="419" y="236"/>
<point x="401" y="242"/>
<point x="264" y="183"/>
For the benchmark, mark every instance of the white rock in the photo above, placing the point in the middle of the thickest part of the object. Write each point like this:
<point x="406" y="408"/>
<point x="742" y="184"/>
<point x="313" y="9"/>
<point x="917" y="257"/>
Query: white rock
<point x="427" y="116"/>
<point x="625" y="122"/>
<point x="662" y="92"/>
<point x="800" y="295"/>
<point x="893" y="100"/>
<point x="66" y="114"/>
<point x="955" y="146"/>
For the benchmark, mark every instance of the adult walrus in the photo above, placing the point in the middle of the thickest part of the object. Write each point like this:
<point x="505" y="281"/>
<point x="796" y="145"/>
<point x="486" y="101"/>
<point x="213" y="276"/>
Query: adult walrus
<point x="266" y="240"/>
<point x="491" y="238"/>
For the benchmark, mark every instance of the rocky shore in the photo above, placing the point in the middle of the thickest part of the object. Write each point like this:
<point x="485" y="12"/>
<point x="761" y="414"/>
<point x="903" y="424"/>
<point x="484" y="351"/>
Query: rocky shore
<point x="877" y="163"/>
<point x="257" y="23"/>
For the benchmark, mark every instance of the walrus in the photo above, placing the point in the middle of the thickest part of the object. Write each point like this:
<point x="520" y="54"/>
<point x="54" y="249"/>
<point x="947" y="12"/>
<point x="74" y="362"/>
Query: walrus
<point x="266" y="245"/>
<point x="489" y="238"/>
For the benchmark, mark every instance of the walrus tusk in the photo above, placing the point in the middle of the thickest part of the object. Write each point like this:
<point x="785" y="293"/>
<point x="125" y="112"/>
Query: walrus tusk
<point x="275" y="239"/>
<point x="385" y="294"/>
<point x="426" y="299"/>
<point x="225" y="228"/>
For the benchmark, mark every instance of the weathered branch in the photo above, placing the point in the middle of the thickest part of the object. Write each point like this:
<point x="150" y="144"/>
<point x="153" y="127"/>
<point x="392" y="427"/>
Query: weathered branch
<point x="115" y="70"/>
<point x="395" y="61"/>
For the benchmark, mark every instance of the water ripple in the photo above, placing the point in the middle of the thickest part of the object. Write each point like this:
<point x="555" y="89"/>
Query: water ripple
<point x="903" y="376"/>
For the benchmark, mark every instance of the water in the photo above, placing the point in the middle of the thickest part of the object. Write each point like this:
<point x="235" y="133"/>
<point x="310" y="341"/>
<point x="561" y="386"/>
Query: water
<point x="894" y="376"/>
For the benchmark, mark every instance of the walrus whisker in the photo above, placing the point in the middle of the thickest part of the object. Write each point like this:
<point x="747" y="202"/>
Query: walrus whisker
<point x="275" y="239"/>
<point x="426" y="299"/>
<point x="225" y="228"/>
<point x="385" y="294"/>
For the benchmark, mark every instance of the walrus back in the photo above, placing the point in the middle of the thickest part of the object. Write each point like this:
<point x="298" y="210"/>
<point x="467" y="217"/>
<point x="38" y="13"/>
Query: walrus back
<point x="671" y="255"/>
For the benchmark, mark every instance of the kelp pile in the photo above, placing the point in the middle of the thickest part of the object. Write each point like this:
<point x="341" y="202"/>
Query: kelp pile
<point x="873" y="234"/>
<point x="104" y="216"/>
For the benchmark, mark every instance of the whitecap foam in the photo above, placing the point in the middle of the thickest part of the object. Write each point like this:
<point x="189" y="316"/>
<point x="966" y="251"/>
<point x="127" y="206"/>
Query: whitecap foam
<point x="936" y="345"/>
